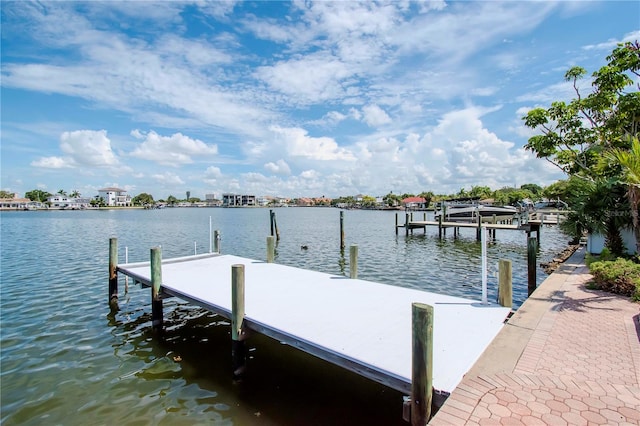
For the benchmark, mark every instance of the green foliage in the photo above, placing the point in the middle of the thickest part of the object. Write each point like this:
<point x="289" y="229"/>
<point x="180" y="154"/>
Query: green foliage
<point x="37" y="195"/>
<point x="620" y="276"/>
<point x="171" y="200"/>
<point x="534" y="189"/>
<point x="7" y="194"/>
<point x="142" y="199"/>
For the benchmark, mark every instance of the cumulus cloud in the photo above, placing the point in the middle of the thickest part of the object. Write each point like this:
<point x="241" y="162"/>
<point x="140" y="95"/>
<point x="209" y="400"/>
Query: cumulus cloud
<point x="83" y="148"/>
<point x="299" y="144"/>
<point x="375" y="116"/>
<point x="173" y="150"/>
<point x="280" y="167"/>
<point x="168" y="179"/>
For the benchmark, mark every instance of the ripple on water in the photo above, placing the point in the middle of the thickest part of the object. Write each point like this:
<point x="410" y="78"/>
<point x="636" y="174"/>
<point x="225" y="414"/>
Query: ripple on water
<point x="65" y="360"/>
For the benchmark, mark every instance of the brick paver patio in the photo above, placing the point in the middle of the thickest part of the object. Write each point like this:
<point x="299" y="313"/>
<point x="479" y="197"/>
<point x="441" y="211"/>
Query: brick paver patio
<point x="578" y="362"/>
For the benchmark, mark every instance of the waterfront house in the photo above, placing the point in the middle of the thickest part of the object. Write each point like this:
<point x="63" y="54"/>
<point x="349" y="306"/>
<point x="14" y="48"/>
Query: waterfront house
<point x="236" y="200"/>
<point x="115" y="197"/>
<point x="414" y="203"/>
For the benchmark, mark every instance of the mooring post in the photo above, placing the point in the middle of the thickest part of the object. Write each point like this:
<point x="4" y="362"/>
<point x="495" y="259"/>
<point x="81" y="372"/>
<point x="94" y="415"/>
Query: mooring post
<point x="156" y="284"/>
<point x="440" y="226"/>
<point x="275" y="225"/>
<point x="532" y="247"/>
<point x="341" y="230"/>
<point x="271" y="248"/>
<point x="216" y="241"/>
<point x="421" y="363"/>
<point x="406" y="223"/>
<point x="113" y="274"/>
<point x="396" y="223"/>
<point x="271" y="221"/>
<point x="238" y="351"/>
<point x="505" y="283"/>
<point x="479" y="231"/>
<point x="483" y="241"/>
<point x="353" y="261"/>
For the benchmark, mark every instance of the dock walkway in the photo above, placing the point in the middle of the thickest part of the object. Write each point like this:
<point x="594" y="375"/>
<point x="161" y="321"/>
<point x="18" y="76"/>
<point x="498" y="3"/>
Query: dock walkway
<point x="363" y="326"/>
<point x="569" y="355"/>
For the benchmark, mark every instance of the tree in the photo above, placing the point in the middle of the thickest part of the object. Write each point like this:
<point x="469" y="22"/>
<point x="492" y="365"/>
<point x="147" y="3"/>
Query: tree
<point x="62" y="192"/>
<point x="630" y="164"/>
<point x="575" y="136"/>
<point x="535" y="190"/>
<point x="428" y="196"/>
<point x="7" y="194"/>
<point x="171" y="200"/>
<point x="142" y="199"/>
<point x="38" y="195"/>
<point x="74" y="194"/>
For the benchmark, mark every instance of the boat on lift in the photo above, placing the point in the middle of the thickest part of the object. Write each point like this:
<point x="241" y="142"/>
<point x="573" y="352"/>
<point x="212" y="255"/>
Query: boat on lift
<point x="470" y="209"/>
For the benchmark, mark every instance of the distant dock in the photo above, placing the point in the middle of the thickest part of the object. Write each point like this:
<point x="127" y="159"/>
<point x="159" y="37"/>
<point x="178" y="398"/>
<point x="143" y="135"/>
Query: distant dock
<point x="365" y="327"/>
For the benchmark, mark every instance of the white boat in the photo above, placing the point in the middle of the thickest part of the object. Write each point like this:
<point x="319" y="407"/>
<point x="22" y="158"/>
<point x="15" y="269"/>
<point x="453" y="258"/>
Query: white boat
<point x="469" y="212"/>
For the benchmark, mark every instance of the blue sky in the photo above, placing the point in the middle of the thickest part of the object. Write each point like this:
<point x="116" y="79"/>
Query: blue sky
<point x="288" y="98"/>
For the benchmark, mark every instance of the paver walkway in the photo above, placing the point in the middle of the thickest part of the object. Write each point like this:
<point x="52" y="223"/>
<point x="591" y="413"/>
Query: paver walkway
<point x="568" y="356"/>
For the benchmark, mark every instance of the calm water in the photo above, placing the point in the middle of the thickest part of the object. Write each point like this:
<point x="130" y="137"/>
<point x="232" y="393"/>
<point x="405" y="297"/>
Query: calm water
<point x="64" y="360"/>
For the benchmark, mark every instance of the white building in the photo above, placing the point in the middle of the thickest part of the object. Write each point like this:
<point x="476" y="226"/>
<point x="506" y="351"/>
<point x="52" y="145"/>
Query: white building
<point x="236" y="200"/>
<point x="115" y="197"/>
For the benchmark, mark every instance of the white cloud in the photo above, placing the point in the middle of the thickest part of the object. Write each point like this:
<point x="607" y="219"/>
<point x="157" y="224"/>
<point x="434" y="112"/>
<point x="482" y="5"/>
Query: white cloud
<point x="375" y="116"/>
<point x="84" y="149"/>
<point x="299" y="144"/>
<point x="168" y="179"/>
<point x="280" y="167"/>
<point x="612" y="43"/>
<point x="173" y="150"/>
<point x="53" y="163"/>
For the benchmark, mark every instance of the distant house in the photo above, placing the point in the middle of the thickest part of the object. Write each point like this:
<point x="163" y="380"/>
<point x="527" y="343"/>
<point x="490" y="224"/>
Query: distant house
<point x="115" y="197"/>
<point x="236" y="200"/>
<point x="412" y="203"/>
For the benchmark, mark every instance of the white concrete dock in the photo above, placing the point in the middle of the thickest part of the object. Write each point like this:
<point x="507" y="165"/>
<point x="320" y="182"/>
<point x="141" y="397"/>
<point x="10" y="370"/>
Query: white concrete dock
<point x="360" y="325"/>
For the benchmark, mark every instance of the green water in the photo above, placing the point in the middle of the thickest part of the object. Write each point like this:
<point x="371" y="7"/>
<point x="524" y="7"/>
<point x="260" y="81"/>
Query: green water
<point x="65" y="361"/>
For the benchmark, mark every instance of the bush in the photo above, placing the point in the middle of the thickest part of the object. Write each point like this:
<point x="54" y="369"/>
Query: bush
<point x="620" y="276"/>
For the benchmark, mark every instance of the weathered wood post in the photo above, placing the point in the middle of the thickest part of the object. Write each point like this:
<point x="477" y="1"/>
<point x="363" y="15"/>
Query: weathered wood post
<point x="238" y="350"/>
<point x="396" y="223"/>
<point x="440" y="226"/>
<point x="421" y="363"/>
<point x="505" y="283"/>
<point x="341" y="230"/>
<point x="406" y="223"/>
<point x="113" y="274"/>
<point x="156" y="284"/>
<point x="353" y="261"/>
<point x="275" y="225"/>
<point x="216" y="241"/>
<point x="271" y="221"/>
<point x="532" y="247"/>
<point x="479" y="230"/>
<point x="271" y="248"/>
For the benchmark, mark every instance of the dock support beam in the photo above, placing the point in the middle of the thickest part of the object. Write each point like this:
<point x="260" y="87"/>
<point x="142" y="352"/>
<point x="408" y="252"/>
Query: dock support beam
<point x="238" y="350"/>
<point x="271" y="248"/>
<point x="113" y="274"/>
<point x="341" y="230"/>
<point x="505" y="283"/>
<point x="532" y="247"/>
<point x="353" y="261"/>
<point x="156" y="284"/>
<point x="396" y="223"/>
<point x="422" y="363"/>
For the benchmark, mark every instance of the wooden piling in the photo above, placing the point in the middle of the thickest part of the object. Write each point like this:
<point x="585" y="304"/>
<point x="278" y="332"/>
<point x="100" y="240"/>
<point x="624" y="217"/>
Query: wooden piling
<point x="113" y="274"/>
<point x="406" y="223"/>
<point x="271" y="248"/>
<point x="532" y="247"/>
<point x="440" y="226"/>
<point x="422" y="363"/>
<point x="238" y="350"/>
<point x="156" y="284"/>
<point x="271" y="221"/>
<point x="396" y="223"/>
<point x="479" y="230"/>
<point x="216" y="241"/>
<point x="505" y="283"/>
<point x="341" y="230"/>
<point x="275" y="225"/>
<point x="353" y="261"/>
